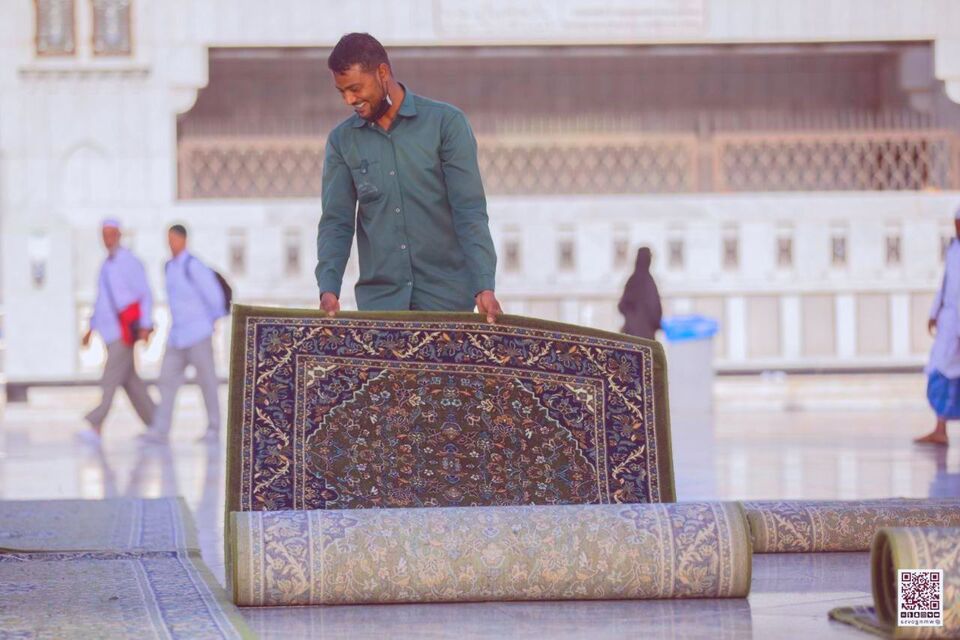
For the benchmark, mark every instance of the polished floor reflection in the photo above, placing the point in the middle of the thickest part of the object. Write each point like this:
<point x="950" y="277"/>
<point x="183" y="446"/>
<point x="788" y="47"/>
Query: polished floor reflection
<point x="813" y="438"/>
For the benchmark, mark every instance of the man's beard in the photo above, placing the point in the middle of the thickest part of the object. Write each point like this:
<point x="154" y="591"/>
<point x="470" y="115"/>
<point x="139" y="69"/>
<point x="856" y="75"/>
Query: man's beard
<point x="377" y="113"/>
<point x="382" y="107"/>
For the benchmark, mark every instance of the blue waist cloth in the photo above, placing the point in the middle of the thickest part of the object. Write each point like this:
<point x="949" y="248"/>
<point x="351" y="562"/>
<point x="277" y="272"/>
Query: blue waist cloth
<point x="943" y="394"/>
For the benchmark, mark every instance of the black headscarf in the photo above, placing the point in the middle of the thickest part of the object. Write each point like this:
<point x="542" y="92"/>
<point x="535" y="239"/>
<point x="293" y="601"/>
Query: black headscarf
<point x="640" y="304"/>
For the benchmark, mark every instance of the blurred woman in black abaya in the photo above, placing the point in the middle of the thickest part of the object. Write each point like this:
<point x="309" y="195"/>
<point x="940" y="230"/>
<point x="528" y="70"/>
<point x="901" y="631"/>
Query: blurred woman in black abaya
<point x="640" y="304"/>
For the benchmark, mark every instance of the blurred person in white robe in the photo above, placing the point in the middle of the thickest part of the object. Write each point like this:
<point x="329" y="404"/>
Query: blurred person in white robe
<point x="943" y="368"/>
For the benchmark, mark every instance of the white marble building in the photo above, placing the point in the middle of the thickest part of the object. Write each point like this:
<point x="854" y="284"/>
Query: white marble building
<point x="815" y="264"/>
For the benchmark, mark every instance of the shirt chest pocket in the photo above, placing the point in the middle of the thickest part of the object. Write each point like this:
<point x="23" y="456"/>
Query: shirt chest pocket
<point x="367" y="181"/>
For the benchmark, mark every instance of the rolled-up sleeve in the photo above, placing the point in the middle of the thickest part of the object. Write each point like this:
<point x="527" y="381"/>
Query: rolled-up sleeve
<point x="468" y="204"/>
<point x="337" y="221"/>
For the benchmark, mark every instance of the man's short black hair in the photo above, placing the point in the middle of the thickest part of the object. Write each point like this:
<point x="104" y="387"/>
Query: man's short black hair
<point x="179" y="229"/>
<point x="357" y="48"/>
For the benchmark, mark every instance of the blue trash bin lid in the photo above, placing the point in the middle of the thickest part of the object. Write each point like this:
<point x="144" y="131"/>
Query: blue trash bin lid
<point x="689" y="327"/>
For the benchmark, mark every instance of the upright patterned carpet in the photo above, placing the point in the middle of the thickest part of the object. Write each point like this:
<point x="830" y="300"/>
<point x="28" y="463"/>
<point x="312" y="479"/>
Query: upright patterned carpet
<point x="426" y="409"/>
<point x="808" y="526"/>
<point x="909" y="548"/>
<point x="107" y="569"/>
<point x="580" y="552"/>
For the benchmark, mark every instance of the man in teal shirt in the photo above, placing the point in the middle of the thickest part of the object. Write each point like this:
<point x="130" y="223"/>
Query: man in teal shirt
<point x="402" y="174"/>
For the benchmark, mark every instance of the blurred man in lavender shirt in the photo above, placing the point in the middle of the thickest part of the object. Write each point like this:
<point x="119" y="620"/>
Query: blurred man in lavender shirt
<point x="196" y="301"/>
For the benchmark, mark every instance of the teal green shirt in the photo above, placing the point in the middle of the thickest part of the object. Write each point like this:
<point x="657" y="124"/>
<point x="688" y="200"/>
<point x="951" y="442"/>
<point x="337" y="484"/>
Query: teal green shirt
<point x="414" y="198"/>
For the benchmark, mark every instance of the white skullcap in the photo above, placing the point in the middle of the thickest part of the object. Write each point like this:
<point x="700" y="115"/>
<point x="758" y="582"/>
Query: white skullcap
<point x="110" y="223"/>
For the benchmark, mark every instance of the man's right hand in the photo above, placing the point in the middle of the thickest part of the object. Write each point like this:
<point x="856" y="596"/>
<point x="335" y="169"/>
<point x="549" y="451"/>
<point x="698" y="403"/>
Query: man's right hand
<point x="932" y="325"/>
<point x="329" y="303"/>
<point x="86" y="338"/>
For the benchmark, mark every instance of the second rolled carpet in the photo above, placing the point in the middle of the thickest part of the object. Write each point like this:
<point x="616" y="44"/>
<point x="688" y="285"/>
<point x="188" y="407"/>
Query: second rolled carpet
<point x="812" y="526"/>
<point x="685" y="550"/>
<point x="910" y="549"/>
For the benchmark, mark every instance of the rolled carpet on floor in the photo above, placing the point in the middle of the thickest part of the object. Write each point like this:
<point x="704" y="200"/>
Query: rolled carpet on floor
<point x="573" y="552"/>
<point x="914" y="548"/>
<point x="410" y="409"/>
<point x="811" y="526"/>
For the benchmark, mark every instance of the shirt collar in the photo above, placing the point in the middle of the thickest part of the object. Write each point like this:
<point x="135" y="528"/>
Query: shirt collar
<point x="408" y="109"/>
<point x="180" y="259"/>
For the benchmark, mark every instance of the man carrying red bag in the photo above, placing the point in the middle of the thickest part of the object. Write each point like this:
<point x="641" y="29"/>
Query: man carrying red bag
<point x="122" y="315"/>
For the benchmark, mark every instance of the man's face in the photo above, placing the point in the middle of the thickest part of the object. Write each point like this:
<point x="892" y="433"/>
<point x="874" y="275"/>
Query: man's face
<point x="956" y="226"/>
<point x="364" y="91"/>
<point x="177" y="242"/>
<point x="111" y="238"/>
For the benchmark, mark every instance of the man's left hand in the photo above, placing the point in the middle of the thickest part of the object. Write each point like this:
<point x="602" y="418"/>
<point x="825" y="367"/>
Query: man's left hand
<point x="488" y="304"/>
<point x="144" y="334"/>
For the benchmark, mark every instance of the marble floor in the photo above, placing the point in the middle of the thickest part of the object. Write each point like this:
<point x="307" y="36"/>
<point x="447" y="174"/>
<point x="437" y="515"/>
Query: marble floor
<point x="775" y="437"/>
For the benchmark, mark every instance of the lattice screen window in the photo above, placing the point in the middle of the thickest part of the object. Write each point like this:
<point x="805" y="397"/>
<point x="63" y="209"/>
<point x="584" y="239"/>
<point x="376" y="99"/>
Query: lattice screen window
<point x="111" y="28"/>
<point x="55" y="35"/>
<point x="291" y="252"/>
<point x="260" y="168"/>
<point x="675" y="254"/>
<point x="238" y="252"/>
<point x="858" y="160"/>
<point x="602" y="163"/>
<point x="597" y="163"/>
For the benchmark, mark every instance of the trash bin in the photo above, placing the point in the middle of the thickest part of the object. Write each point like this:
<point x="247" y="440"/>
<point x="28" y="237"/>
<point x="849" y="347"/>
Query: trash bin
<point x="689" y="348"/>
<point x="690" y="362"/>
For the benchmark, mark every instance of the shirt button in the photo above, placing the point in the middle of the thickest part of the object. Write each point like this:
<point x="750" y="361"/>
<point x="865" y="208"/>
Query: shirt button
<point x="397" y="209"/>
<point x="404" y="247"/>
<point x="393" y="173"/>
<point x="409" y="283"/>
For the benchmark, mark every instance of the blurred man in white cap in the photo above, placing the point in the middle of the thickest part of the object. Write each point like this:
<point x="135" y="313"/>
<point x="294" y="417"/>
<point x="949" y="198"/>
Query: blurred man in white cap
<point x="122" y="315"/>
<point x="943" y="369"/>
